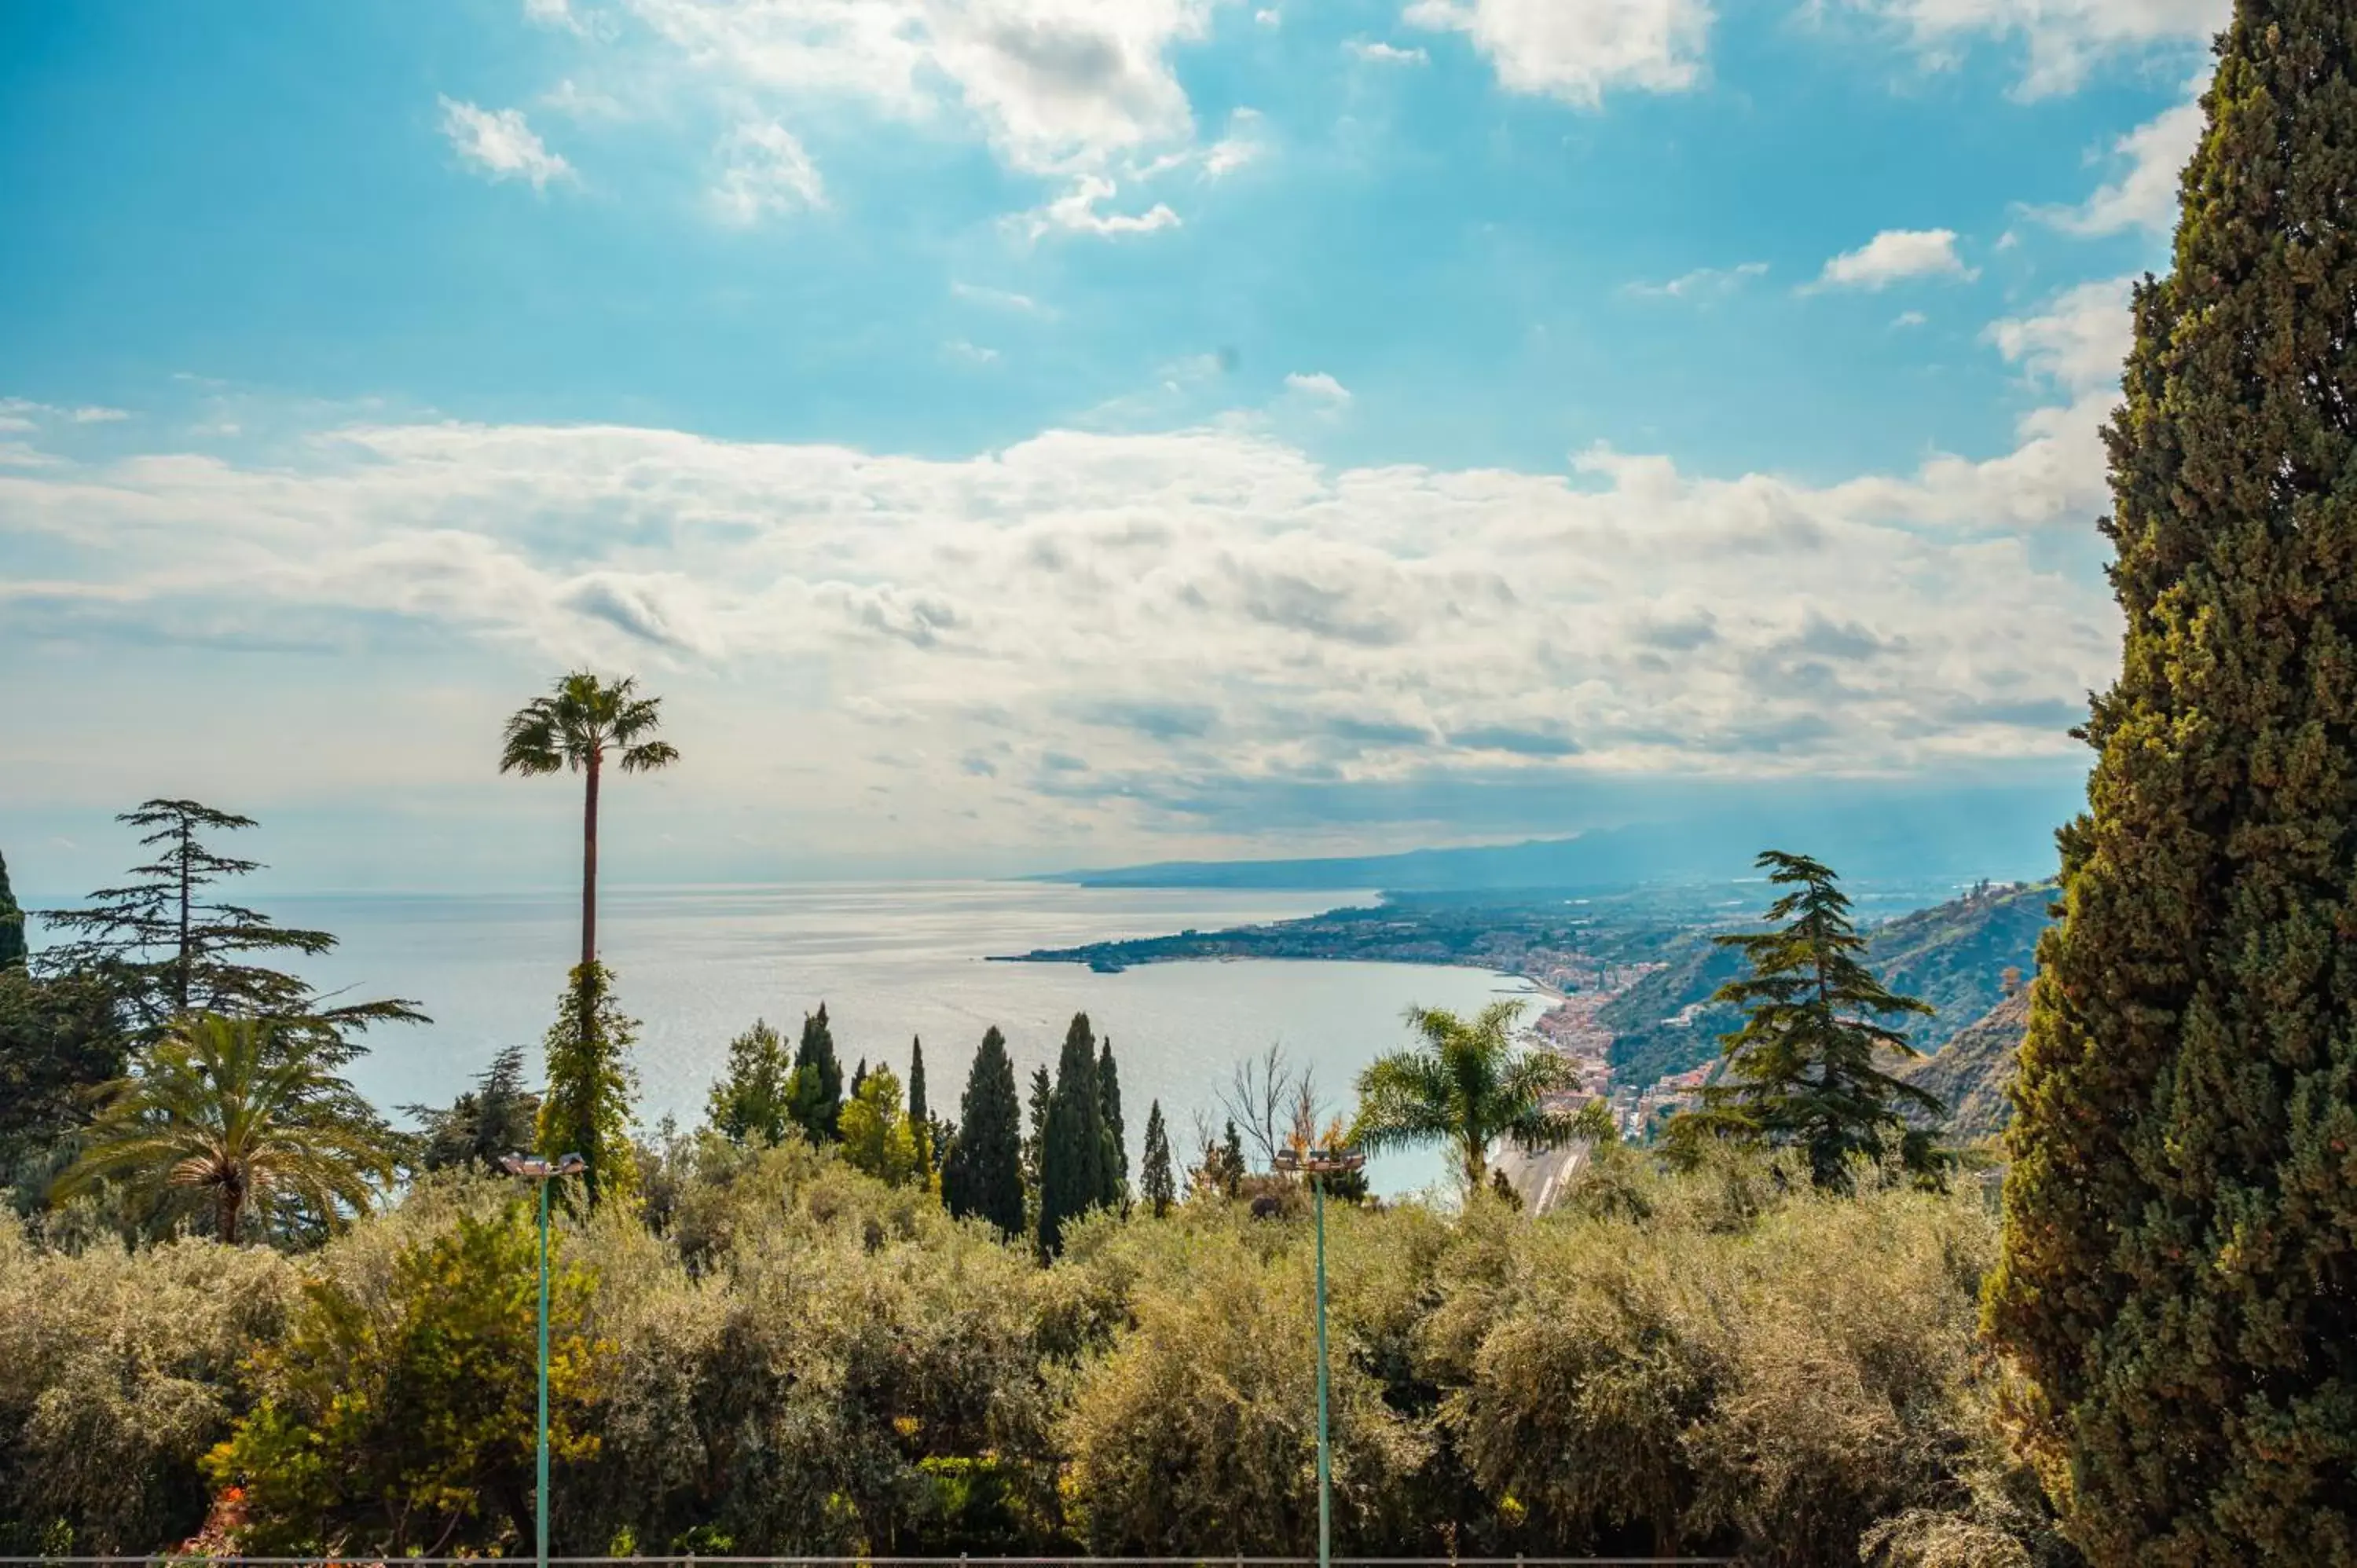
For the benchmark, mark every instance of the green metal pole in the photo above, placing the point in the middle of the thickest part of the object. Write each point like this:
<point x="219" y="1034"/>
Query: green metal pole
<point x="541" y="1497"/>
<point x="1325" y="1465"/>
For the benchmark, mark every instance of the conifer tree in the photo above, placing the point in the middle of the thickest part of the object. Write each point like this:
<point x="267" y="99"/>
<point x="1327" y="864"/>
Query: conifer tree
<point x="920" y="1121"/>
<point x="753" y="1104"/>
<point x="2179" y="1277"/>
<point x="1071" y="1156"/>
<point x="12" y="923"/>
<point x="1803" y="1069"/>
<point x="982" y="1171"/>
<point x="1114" y="1192"/>
<point x="1035" y="1139"/>
<point x="497" y="1117"/>
<point x="592" y="1086"/>
<point x="1157" y="1181"/>
<point x="818" y="1080"/>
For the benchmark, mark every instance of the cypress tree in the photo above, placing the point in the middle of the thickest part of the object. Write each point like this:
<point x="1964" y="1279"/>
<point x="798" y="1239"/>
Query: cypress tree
<point x="818" y="1080"/>
<point x="1155" y="1178"/>
<point x="1071" y="1156"/>
<point x="12" y="923"/>
<point x="591" y="1086"/>
<point x="2179" y="1276"/>
<point x="1803" y="1069"/>
<point x="1043" y="1091"/>
<point x="982" y="1173"/>
<point x="1115" y="1193"/>
<point x="920" y="1121"/>
<point x="858" y="1077"/>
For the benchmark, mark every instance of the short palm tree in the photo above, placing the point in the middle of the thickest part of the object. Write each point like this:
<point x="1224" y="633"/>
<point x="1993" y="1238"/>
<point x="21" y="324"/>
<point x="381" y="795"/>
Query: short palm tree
<point x="242" y="1109"/>
<point x="1468" y="1086"/>
<point x="580" y="725"/>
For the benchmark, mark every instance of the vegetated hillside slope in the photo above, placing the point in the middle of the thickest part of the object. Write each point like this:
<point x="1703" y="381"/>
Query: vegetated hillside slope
<point x="1953" y="955"/>
<point x="1972" y="1071"/>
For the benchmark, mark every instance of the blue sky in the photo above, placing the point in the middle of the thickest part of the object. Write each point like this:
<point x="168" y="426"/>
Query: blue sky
<point x="1017" y="433"/>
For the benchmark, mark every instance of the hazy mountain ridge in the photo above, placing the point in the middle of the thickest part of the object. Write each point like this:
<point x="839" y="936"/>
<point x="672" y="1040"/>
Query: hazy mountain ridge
<point x="1972" y="1070"/>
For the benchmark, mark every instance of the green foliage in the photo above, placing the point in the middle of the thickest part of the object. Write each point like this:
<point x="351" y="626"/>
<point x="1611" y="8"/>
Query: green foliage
<point x="1114" y="1190"/>
<point x="2179" y="1277"/>
<point x="981" y="1174"/>
<point x="1804" y="1069"/>
<point x="581" y="721"/>
<point x="1158" y="1183"/>
<point x="246" y="1115"/>
<point x="877" y="1138"/>
<point x="58" y="1044"/>
<point x="592" y="1086"/>
<point x="817" y="1080"/>
<point x="921" y="1115"/>
<point x="166" y="948"/>
<point x="12" y="924"/>
<point x="118" y="1371"/>
<point x="1035" y="1140"/>
<point x="496" y="1118"/>
<point x="754" y="1102"/>
<point x="399" y="1414"/>
<point x="1468" y="1088"/>
<point x="1072" y="1155"/>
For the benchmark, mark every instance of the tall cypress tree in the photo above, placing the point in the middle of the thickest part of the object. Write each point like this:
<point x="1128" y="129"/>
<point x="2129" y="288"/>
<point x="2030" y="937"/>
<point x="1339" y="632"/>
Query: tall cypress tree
<point x="1071" y="1156"/>
<point x="818" y="1080"/>
<point x="2178" y="1278"/>
<point x="1157" y="1181"/>
<point x="12" y="923"/>
<point x="1114" y="1191"/>
<point x="1035" y="1140"/>
<point x="920" y="1121"/>
<point x="982" y="1173"/>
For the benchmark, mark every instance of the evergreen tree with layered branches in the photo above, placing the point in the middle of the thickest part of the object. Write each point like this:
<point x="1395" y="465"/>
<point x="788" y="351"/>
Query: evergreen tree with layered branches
<point x="496" y="1118"/>
<point x="2178" y="1281"/>
<point x="1808" y="1069"/>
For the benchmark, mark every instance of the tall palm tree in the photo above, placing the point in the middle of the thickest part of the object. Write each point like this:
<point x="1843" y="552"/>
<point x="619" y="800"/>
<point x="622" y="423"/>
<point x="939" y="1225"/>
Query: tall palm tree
<point x="1468" y="1086"/>
<point x="581" y="725"/>
<point x="238" y="1109"/>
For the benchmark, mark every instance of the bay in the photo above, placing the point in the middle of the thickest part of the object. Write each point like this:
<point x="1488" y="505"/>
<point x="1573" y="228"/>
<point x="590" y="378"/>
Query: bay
<point x="892" y="962"/>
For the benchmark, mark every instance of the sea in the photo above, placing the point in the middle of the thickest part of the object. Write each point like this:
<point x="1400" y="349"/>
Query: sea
<point x="893" y="962"/>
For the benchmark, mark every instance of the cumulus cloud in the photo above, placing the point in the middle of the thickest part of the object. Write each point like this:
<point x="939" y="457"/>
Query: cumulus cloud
<point x="2145" y="196"/>
<point x="501" y="144"/>
<point x="2079" y="342"/>
<point x="765" y="171"/>
<point x="1181" y="609"/>
<point x="1577" y="52"/>
<point x="2062" y="39"/>
<point x="1896" y="255"/>
<point x="1076" y="212"/>
<point x="1318" y="384"/>
<point x="1377" y="52"/>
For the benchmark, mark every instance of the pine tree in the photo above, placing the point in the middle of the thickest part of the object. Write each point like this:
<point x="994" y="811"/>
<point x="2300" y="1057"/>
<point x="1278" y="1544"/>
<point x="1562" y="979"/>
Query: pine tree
<point x="1155" y="1179"/>
<point x="818" y="1080"/>
<point x="12" y="924"/>
<point x="754" y="1103"/>
<point x="587" y="1108"/>
<point x="1071" y="1156"/>
<point x="168" y="948"/>
<point x="1803" y="1069"/>
<point x="498" y="1116"/>
<point x="1115" y="1193"/>
<point x="920" y="1121"/>
<point x="982" y="1172"/>
<point x="2179" y="1277"/>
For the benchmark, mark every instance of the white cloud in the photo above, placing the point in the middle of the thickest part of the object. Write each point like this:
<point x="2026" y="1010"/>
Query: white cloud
<point x="1908" y="320"/>
<point x="1381" y="53"/>
<point x="1240" y="145"/>
<point x="1896" y="255"/>
<point x="1267" y="16"/>
<point x="2064" y="40"/>
<point x="2145" y="197"/>
<point x="764" y="171"/>
<point x="1002" y="299"/>
<point x="501" y="144"/>
<point x="1703" y="281"/>
<point x="1326" y="625"/>
<point x="1075" y="212"/>
<point x="1577" y="50"/>
<point x="94" y="416"/>
<point x="23" y="414"/>
<point x="971" y="353"/>
<point x="1320" y="385"/>
<point x="2079" y="342"/>
<point x="554" y="14"/>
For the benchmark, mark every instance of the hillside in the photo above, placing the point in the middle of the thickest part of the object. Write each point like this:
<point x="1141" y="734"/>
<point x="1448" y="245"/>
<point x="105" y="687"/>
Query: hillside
<point x="1972" y="1071"/>
<point x="1953" y="955"/>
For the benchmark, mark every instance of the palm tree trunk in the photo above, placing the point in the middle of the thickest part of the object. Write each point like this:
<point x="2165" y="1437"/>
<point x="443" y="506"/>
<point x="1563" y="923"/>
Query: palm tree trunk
<point x="225" y="1206"/>
<point x="590" y="892"/>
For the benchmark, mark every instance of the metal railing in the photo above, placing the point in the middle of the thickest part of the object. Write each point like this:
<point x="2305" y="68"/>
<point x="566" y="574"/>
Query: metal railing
<point x="678" y="1560"/>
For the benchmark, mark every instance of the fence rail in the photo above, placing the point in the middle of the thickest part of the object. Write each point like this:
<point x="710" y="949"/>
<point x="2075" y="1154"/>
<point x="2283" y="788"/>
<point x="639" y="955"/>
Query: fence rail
<point x="362" y="1560"/>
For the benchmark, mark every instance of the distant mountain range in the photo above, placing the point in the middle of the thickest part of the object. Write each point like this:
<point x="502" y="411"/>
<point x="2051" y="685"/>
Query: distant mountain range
<point x="1974" y="1070"/>
<point x="2004" y="835"/>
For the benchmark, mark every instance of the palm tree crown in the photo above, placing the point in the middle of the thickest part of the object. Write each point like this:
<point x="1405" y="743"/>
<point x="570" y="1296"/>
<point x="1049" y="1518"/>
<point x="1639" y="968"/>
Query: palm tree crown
<point x="582" y="720"/>
<point x="242" y="1109"/>
<point x="1467" y="1087"/>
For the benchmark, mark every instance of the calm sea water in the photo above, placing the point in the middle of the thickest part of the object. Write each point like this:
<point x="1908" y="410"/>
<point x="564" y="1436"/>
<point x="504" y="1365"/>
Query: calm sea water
<point x="891" y="961"/>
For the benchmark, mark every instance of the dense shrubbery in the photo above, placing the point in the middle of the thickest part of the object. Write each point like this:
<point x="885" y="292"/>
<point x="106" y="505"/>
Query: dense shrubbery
<point x="782" y="1354"/>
